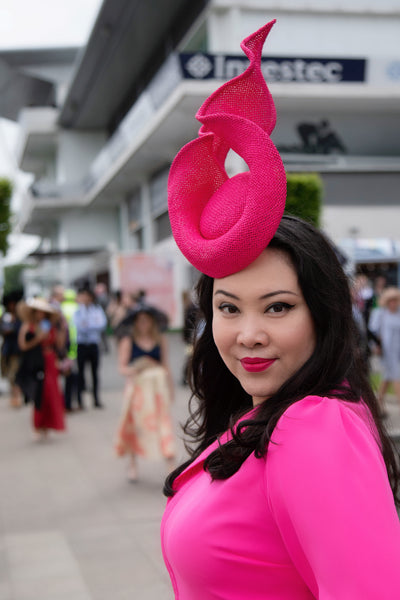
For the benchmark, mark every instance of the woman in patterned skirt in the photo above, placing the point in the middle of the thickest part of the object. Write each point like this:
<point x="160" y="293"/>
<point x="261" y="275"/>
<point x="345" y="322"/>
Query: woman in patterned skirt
<point x="146" y="426"/>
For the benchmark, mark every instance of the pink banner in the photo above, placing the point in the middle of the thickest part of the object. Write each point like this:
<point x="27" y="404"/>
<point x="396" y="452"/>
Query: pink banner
<point x="152" y="274"/>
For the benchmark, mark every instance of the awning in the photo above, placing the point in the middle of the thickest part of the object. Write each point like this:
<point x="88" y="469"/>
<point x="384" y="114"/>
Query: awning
<point x="18" y="90"/>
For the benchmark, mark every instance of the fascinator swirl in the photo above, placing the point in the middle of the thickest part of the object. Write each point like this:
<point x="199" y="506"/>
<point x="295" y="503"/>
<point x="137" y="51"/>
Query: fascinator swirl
<point x="220" y="223"/>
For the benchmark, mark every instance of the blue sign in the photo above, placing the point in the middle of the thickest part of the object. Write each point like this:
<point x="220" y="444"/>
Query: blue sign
<point x="276" y="69"/>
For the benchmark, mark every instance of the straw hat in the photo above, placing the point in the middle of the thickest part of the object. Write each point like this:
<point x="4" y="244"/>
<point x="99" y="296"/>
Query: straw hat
<point x="390" y="293"/>
<point x="25" y="308"/>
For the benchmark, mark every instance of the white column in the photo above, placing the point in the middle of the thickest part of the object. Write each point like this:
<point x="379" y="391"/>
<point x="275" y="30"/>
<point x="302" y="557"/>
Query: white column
<point x="123" y="217"/>
<point x="63" y="270"/>
<point x="147" y="220"/>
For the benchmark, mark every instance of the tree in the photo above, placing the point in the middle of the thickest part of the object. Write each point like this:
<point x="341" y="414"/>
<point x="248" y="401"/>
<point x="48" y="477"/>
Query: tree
<point x="6" y="189"/>
<point x="304" y="196"/>
<point x="13" y="278"/>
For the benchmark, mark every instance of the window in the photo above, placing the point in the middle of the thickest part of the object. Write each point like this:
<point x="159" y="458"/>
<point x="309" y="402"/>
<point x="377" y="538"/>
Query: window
<point x="162" y="227"/>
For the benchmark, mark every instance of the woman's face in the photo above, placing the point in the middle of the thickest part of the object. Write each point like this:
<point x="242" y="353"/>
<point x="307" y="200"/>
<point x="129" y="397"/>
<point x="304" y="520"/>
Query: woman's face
<point x="144" y="324"/>
<point x="262" y="326"/>
<point x="393" y="305"/>
<point x="39" y="315"/>
<point x="126" y="300"/>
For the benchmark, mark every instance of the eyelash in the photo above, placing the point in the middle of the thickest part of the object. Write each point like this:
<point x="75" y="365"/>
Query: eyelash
<point x="284" y="305"/>
<point x="232" y="309"/>
<point x="222" y="307"/>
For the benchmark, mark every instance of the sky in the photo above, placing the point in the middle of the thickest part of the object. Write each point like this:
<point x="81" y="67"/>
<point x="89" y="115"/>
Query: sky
<point x="36" y="24"/>
<point x="46" y="23"/>
<point x="40" y="24"/>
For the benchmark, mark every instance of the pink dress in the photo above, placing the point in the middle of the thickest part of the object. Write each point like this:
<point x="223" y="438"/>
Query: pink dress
<point x="51" y="413"/>
<point x="314" y="519"/>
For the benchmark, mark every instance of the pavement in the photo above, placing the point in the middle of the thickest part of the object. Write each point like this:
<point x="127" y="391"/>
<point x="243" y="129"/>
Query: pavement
<point x="71" y="525"/>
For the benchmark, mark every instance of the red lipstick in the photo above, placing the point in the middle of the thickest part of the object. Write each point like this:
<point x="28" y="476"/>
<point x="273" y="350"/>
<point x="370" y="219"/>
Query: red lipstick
<point x="256" y="365"/>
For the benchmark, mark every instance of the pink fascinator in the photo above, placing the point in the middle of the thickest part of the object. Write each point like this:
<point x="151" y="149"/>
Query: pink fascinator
<point x="222" y="224"/>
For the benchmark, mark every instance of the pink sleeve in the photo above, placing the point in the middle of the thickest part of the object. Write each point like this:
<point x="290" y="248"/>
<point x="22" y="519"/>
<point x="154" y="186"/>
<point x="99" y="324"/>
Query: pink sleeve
<point x="329" y="492"/>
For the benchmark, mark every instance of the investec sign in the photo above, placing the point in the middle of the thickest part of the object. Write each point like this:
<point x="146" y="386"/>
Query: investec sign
<point x="302" y="70"/>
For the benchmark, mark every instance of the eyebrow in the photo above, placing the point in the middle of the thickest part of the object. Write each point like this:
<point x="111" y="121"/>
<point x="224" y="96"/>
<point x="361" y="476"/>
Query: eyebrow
<point x="263" y="297"/>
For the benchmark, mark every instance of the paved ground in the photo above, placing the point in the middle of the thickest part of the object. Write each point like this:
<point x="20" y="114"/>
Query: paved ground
<point x="71" y="526"/>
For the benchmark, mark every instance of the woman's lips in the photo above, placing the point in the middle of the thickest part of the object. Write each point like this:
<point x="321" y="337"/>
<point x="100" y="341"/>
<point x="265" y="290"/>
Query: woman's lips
<point x="255" y="365"/>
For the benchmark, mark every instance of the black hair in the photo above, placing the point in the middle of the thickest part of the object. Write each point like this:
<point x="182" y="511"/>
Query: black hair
<point x="12" y="297"/>
<point x="144" y="310"/>
<point x="87" y="290"/>
<point x="336" y="368"/>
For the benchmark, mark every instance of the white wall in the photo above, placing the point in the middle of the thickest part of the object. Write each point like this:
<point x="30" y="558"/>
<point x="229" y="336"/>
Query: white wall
<point x="89" y="228"/>
<point x="319" y="28"/>
<point x="76" y="151"/>
<point x="314" y="5"/>
<point x="366" y="222"/>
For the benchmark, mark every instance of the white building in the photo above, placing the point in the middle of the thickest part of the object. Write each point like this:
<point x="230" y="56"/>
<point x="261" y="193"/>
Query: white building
<point x="101" y="153"/>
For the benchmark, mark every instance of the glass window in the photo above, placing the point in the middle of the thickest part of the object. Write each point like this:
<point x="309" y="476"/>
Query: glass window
<point x="162" y="227"/>
<point x="134" y="207"/>
<point x="158" y="192"/>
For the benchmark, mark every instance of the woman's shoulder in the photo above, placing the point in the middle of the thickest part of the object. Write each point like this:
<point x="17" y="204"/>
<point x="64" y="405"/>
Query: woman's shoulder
<point x="319" y="440"/>
<point x="321" y="418"/>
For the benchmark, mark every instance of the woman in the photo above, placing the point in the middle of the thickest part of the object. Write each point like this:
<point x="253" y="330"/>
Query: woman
<point x="300" y="480"/>
<point x="385" y="324"/>
<point x="146" y="427"/>
<point x="40" y="340"/>
<point x="289" y="490"/>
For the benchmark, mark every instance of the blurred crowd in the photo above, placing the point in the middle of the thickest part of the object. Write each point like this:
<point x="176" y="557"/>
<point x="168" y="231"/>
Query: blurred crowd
<point x="50" y="355"/>
<point x="51" y="351"/>
<point x="376" y="310"/>
<point x="68" y="326"/>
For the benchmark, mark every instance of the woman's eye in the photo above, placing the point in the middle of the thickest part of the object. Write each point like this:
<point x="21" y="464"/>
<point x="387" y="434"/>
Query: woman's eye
<point x="228" y="309"/>
<point x="279" y="307"/>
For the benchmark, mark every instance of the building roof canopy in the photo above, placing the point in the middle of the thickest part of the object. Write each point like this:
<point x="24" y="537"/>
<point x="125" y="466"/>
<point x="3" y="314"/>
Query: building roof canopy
<point x="19" y="87"/>
<point x="128" y="43"/>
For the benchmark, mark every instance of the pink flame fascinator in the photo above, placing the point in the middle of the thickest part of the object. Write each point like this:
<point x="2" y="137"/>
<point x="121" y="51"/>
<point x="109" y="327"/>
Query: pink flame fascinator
<point x="222" y="224"/>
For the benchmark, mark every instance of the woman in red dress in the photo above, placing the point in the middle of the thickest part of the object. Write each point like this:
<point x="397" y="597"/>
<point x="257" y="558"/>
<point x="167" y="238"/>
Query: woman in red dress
<point x="39" y="340"/>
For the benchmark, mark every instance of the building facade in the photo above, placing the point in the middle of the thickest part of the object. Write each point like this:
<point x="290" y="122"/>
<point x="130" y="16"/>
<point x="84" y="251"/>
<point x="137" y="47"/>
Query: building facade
<point x="101" y="154"/>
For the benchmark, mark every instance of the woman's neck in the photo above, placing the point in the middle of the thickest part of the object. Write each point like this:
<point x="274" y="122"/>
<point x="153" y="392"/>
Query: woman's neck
<point x="145" y="339"/>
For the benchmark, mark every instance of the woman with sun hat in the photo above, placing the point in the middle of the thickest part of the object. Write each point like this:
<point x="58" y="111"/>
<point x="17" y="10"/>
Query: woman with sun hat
<point x="290" y="488"/>
<point x="39" y="340"/>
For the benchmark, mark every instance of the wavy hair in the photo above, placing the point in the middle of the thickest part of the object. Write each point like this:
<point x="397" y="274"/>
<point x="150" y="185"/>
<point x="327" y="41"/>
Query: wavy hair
<point x="336" y="368"/>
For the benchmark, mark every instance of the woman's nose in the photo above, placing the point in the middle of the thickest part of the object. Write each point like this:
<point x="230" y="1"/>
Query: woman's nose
<point x="253" y="333"/>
